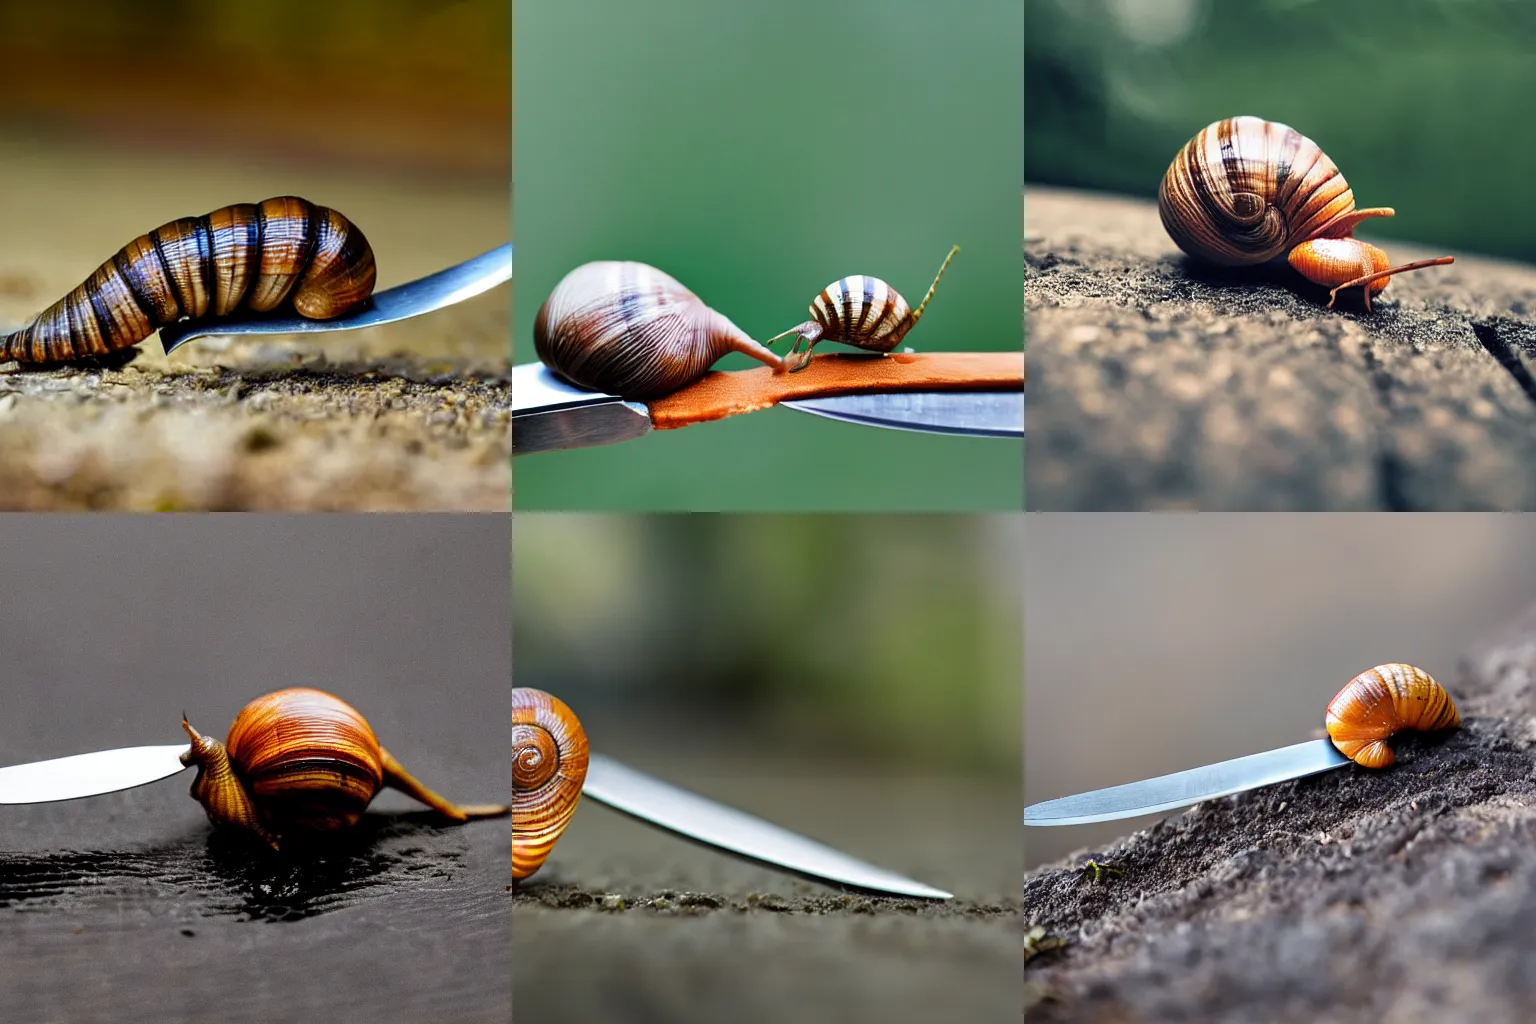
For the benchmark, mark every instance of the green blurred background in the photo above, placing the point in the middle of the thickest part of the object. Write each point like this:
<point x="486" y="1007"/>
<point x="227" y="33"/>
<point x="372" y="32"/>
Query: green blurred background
<point x="1421" y="103"/>
<point x="758" y="152"/>
<point x="887" y="643"/>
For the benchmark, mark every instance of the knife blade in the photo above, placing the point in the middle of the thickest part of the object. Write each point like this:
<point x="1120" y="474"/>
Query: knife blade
<point x="82" y="775"/>
<point x="1167" y="792"/>
<point x="549" y="414"/>
<point x="969" y="413"/>
<point x="658" y="803"/>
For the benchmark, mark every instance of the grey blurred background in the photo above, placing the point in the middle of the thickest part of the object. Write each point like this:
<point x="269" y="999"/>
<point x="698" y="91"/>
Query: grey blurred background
<point x="758" y="152"/>
<point x="127" y="905"/>
<point x="1158" y="643"/>
<point x="1417" y="101"/>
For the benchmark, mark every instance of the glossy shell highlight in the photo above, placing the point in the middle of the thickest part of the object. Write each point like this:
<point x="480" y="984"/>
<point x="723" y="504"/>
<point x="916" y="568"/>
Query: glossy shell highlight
<point x="1383" y="701"/>
<point x="280" y="253"/>
<point x="1245" y="190"/>
<point x="631" y="330"/>
<point x="549" y="765"/>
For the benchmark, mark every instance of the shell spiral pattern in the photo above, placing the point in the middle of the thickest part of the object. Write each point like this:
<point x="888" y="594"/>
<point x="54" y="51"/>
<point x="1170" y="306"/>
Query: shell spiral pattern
<point x="1382" y="701"/>
<point x="549" y="765"/>
<point x="301" y="760"/>
<point x="861" y="311"/>
<point x="631" y="330"/>
<point x="1245" y="190"/>
<point x="280" y="252"/>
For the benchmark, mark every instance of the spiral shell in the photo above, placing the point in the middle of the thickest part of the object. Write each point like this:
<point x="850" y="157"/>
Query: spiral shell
<point x="549" y="764"/>
<point x="861" y="311"/>
<point x="1245" y="190"/>
<point x="1382" y="701"/>
<point x="301" y="760"/>
<point x="283" y="251"/>
<point x="630" y="330"/>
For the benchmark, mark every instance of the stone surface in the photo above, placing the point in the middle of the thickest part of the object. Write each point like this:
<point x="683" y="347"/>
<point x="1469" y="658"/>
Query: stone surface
<point x="1155" y="383"/>
<point x="1404" y="894"/>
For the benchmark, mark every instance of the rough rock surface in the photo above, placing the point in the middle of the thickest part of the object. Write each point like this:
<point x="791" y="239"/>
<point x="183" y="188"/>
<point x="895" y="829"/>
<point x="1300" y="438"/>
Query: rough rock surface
<point x="1155" y="383"/>
<point x="1404" y="894"/>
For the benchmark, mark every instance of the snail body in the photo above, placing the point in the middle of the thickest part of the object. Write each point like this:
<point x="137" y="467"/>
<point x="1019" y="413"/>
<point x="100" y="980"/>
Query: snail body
<point x="861" y="311"/>
<point x="1382" y="701"/>
<point x="280" y="253"/>
<point x="549" y="765"/>
<point x="631" y="330"/>
<point x="297" y="761"/>
<point x="1245" y="190"/>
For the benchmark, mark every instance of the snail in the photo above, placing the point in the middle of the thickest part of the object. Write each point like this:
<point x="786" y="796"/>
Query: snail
<point x="283" y="251"/>
<point x="630" y="330"/>
<point x="549" y="764"/>
<point x="846" y="311"/>
<point x="300" y="760"/>
<point x="1382" y="701"/>
<point x="1245" y="190"/>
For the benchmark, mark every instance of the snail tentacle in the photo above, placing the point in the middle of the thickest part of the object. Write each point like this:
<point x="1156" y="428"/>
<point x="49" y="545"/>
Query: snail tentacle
<point x="396" y="777"/>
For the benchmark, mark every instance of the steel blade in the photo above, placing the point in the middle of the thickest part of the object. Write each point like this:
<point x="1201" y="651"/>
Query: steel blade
<point x="968" y="413"/>
<point x="414" y="298"/>
<point x="1180" y="789"/>
<point x="705" y="821"/>
<point x="80" y="775"/>
<point x="549" y="414"/>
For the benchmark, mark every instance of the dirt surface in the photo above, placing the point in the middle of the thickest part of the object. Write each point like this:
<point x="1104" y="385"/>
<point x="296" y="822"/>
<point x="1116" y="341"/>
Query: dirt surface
<point x="128" y="906"/>
<point x="669" y="930"/>
<point x="1404" y="894"/>
<point x="1156" y="383"/>
<point x="409" y="416"/>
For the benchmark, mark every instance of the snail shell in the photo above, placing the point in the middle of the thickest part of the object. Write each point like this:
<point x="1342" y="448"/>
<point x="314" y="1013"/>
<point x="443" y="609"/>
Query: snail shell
<point x="861" y="311"/>
<point x="300" y="760"/>
<point x="280" y="252"/>
<point x="630" y="330"/>
<point x="1245" y="190"/>
<point x="549" y="764"/>
<point x="1382" y="701"/>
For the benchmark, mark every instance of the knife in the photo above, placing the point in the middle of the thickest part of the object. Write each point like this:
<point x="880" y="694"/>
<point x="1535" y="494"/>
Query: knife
<point x="549" y="414"/>
<point x="676" y="810"/>
<point x="1167" y="792"/>
<point x="608" y="782"/>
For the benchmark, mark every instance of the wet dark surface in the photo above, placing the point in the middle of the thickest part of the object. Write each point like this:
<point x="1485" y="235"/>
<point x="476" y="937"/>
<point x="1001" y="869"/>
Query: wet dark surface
<point x="669" y="930"/>
<point x="128" y="906"/>
<point x="1404" y="894"/>
<point x="1161" y="383"/>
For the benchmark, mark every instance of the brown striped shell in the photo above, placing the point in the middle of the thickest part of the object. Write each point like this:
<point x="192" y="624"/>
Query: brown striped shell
<point x="630" y="330"/>
<point x="1382" y="701"/>
<point x="283" y="252"/>
<point x="549" y="765"/>
<point x="861" y="311"/>
<point x="1245" y="190"/>
<point x="301" y="760"/>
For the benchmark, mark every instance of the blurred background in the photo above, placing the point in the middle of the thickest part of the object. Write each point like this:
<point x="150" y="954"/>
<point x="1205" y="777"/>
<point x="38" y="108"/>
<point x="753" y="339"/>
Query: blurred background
<point x="120" y="116"/>
<point x="855" y="679"/>
<point x="1159" y="643"/>
<point x="128" y="905"/>
<point x="758" y="153"/>
<point x="1414" y="103"/>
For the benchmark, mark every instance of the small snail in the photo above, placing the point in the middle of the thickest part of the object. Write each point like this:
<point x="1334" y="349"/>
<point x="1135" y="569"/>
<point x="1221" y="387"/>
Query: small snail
<point x="633" y="331"/>
<point x="257" y="258"/>
<point x="549" y="764"/>
<point x="1385" y="700"/>
<point x="1246" y="190"/>
<point x="861" y="311"/>
<point x="300" y="760"/>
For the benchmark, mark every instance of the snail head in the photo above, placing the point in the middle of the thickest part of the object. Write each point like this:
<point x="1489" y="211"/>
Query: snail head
<point x="217" y="787"/>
